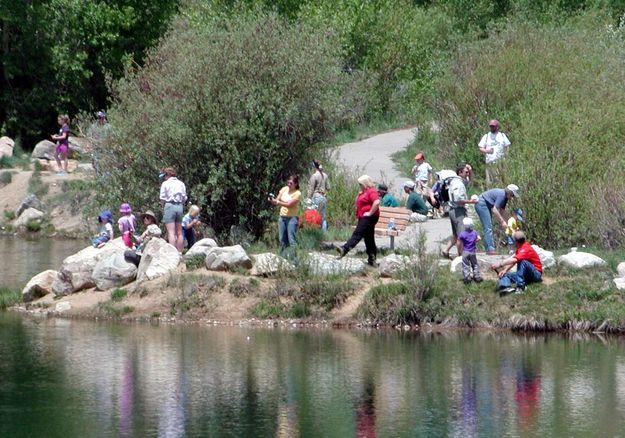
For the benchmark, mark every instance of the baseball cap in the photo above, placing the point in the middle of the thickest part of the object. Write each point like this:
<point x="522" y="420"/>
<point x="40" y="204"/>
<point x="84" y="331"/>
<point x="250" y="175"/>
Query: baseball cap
<point x="409" y="184"/>
<point x="514" y="189"/>
<point x="493" y="122"/>
<point x="467" y="222"/>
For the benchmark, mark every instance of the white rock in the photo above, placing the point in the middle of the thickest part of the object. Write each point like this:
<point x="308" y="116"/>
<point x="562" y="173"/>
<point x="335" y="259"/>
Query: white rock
<point x="619" y="283"/>
<point x="39" y="286"/>
<point x="323" y="264"/>
<point x="270" y="264"/>
<point x="77" y="270"/>
<point x="6" y="147"/>
<point x="546" y="257"/>
<point x="221" y="259"/>
<point x="113" y="271"/>
<point x="483" y="260"/>
<point x="393" y="263"/>
<point x="30" y="214"/>
<point x="30" y="201"/>
<point x="201" y="248"/>
<point x="581" y="260"/>
<point x="621" y="269"/>
<point x="158" y="258"/>
<point x="63" y="306"/>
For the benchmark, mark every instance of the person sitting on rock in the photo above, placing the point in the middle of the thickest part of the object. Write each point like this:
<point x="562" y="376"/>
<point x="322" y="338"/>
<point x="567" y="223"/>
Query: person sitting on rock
<point x="106" y="229"/>
<point x="415" y="203"/>
<point x="127" y="224"/>
<point x="151" y="230"/>
<point x="529" y="268"/>
<point x="387" y="200"/>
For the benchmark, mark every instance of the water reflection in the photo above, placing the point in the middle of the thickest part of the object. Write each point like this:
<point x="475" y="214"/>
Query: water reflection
<point x="79" y="378"/>
<point x="22" y="258"/>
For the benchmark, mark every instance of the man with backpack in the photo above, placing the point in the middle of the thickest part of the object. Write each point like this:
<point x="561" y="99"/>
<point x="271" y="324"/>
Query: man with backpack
<point x="455" y="190"/>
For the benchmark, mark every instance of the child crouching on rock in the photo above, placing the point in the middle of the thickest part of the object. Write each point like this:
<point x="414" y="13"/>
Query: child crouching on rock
<point x="468" y="242"/>
<point x="106" y="229"/>
<point x="151" y="230"/>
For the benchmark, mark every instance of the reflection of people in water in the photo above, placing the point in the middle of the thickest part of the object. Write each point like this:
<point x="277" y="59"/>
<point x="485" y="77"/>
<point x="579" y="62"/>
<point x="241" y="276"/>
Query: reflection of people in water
<point x="365" y="411"/>
<point x="126" y="396"/>
<point x="527" y="395"/>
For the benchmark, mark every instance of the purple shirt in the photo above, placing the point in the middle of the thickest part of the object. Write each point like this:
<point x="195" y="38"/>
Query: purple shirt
<point x="127" y="223"/>
<point x="469" y="240"/>
<point x="64" y="130"/>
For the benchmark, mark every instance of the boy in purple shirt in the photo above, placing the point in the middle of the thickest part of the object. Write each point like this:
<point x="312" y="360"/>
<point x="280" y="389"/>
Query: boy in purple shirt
<point x="468" y="242"/>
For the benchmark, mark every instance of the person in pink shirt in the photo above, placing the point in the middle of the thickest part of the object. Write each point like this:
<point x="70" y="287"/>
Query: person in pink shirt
<point x="368" y="213"/>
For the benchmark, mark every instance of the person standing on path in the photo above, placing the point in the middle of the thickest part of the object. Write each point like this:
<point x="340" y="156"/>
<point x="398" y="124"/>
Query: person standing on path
<point x="529" y="268"/>
<point x="422" y="172"/>
<point x="318" y="187"/>
<point x="493" y="145"/>
<point x="494" y="201"/>
<point x="368" y="214"/>
<point x="62" y="144"/>
<point x="288" y="200"/>
<point x="458" y="199"/>
<point x="172" y="196"/>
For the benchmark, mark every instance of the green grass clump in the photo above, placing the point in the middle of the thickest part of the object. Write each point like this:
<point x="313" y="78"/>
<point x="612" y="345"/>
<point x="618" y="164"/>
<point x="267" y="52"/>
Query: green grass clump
<point x="33" y="225"/>
<point x="118" y="294"/>
<point x="5" y="178"/>
<point x="240" y="288"/>
<point x="328" y="292"/>
<point x="9" y="215"/>
<point x="112" y="310"/>
<point x="37" y="186"/>
<point x="195" y="262"/>
<point x="9" y="297"/>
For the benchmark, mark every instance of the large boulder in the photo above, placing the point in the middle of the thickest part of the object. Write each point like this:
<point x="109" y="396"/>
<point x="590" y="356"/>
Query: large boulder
<point x="268" y="263"/>
<point x="76" y="271"/>
<point x="620" y="269"/>
<point x="79" y="145"/>
<point x="44" y="149"/>
<point x="323" y="264"/>
<point x="113" y="271"/>
<point x="30" y="214"/>
<point x="157" y="259"/>
<point x="200" y="248"/>
<point x="39" y="286"/>
<point x="581" y="260"/>
<point x="619" y="283"/>
<point x="546" y="257"/>
<point x="30" y="201"/>
<point x="227" y="257"/>
<point x="6" y="147"/>
<point x="393" y="263"/>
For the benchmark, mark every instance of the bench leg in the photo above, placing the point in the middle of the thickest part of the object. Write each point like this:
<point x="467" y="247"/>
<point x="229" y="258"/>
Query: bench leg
<point x="392" y="243"/>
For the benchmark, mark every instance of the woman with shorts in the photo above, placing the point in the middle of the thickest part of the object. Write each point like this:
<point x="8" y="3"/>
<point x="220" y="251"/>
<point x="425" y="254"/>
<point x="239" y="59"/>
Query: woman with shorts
<point x="172" y="197"/>
<point x="62" y="143"/>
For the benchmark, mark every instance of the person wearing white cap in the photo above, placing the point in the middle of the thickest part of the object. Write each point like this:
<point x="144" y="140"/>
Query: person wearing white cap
<point x="490" y="202"/>
<point x="468" y="239"/>
<point x="415" y="203"/>
<point x="493" y="145"/>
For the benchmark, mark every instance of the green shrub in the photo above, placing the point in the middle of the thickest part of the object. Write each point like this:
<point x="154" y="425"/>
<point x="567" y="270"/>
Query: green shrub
<point x="112" y="310"/>
<point x="268" y="308"/>
<point x="37" y="186"/>
<point x="33" y="225"/>
<point x="9" y="215"/>
<point x="566" y="152"/>
<point x="195" y="262"/>
<point x="240" y="288"/>
<point x="9" y="297"/>
<point x="118" y="294"/>
<point x="328" y="292"/>
<point x="387" y="304"/>
<point x="5" y="178"/>
<point x="265" y="94"/>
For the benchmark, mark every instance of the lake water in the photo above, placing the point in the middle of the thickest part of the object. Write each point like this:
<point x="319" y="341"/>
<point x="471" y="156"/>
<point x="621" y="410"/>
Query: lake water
<point x="23" y="258"/>
<point x="70" y="378"/>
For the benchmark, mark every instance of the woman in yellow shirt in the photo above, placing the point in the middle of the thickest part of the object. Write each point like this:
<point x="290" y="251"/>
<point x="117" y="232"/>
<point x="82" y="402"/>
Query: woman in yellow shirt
<point x="288" y="199"/>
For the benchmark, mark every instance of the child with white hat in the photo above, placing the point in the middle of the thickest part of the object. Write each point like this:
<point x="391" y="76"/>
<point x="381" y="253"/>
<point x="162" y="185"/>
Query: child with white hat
<point x="468" y="244"/>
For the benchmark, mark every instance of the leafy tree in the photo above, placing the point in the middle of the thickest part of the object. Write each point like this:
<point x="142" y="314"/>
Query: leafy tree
<point x="235" y="104"/>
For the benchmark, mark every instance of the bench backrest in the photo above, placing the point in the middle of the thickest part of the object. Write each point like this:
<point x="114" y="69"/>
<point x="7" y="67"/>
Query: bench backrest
<point x="400" y="214"/>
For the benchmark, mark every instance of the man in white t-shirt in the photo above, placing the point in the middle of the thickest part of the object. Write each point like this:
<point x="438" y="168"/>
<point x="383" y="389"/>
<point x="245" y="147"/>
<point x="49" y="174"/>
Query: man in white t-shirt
<point x="493" y="145"/>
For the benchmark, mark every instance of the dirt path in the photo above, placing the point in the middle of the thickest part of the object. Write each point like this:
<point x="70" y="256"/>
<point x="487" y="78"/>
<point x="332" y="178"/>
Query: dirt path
<point x="373" y="157"/>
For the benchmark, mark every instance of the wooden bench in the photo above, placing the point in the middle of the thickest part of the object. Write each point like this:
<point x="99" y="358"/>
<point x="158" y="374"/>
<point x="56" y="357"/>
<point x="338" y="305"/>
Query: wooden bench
<point x="402" y="218"/>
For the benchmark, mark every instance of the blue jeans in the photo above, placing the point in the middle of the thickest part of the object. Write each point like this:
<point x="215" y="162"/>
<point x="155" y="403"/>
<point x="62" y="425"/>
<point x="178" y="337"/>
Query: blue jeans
<point x="525" y="273"/>
<point x="483" y="212"/>
<point x="287" y="231"/>
<point x="321" y="202"/>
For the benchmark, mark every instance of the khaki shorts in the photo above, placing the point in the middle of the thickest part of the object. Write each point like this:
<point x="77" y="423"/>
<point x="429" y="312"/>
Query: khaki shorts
<point x="455" y="217"/>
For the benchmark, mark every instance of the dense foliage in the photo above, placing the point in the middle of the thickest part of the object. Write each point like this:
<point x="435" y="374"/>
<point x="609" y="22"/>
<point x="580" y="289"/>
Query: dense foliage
<point x="56" y="55"/>
<point x="235" y="104"/>
<point x="558" y="90"/>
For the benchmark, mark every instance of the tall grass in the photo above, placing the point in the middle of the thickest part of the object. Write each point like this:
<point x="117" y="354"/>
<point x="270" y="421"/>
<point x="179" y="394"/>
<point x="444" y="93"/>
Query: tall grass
<point x="9" y="297"/>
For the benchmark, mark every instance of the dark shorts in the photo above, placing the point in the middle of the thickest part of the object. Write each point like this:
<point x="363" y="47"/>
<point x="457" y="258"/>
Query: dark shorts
<point x="455" y="217"/>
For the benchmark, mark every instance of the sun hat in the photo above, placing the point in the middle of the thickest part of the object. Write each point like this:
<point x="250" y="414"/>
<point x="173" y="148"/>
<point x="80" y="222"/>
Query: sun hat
<point x="100" y="114"/>
<point x="409" y="184"/>
<point x="514" y="189"/>
<point x="467" y="222"/>
<point x="519" y="214"/>
<point x="105" y="216"/>
<point x="125" y="208"/>
<point x="149" y="213"/>
<point x="419" y="156"/>
<point x="494" y="122"/>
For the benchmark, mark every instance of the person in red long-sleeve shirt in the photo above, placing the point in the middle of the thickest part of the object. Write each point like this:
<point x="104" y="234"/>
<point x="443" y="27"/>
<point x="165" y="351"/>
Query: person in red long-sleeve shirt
<point x="529" y="268"/>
